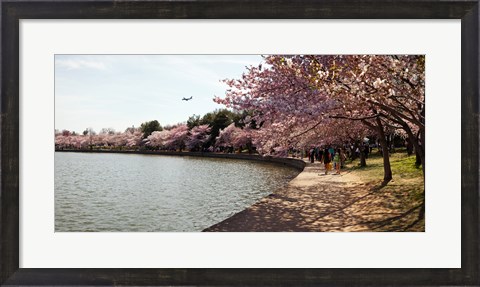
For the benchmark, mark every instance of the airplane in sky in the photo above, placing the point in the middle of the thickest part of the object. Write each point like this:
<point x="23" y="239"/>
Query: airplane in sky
<point x="187" y="99"/>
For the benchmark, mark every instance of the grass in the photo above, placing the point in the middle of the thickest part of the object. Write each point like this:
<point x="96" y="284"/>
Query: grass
<point x="403" y="167"/>
<point x="404" y="192"/>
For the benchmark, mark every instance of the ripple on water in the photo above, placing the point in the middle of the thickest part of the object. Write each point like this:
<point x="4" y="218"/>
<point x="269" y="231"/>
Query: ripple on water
<point x="128" y="192"/>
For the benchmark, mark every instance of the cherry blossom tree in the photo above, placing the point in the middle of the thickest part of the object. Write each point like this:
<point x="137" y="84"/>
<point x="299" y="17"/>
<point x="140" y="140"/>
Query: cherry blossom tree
<point x="243" y="138"/>
<point x="291" y="96"/>
<point x="158" y="138"/>
<point x="225" y="136"/>
<point x="134" y="138"/>
<point x="60" y="141"/>
<point x="386" y="93"/>
<point x="234" y="137"/>
<point x="199" y="135"/>
<point x="102" y="140"/>
<point x="177" y="137"/>
<point x="280" y="100"/>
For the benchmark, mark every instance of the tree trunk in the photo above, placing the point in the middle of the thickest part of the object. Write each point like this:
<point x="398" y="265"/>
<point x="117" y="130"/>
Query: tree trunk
<point x="421" y="214"/>
<point x="389" y="144"/>
<point x="422" y="140"/>
<point x="387" y="170"/>
<point x="363" y="161"/>
<point x="354" y="154"/>
<point x="249" y="146"/>
<point x="409" y="146"/>
<point x="418" y="159"/>
<point x="418" y="143"/>
<point x="422" y="149"/>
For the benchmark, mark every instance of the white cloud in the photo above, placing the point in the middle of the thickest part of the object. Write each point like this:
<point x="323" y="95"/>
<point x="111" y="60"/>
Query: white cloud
<point x="72" y="64"/>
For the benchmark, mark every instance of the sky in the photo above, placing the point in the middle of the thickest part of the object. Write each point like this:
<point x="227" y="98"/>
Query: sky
<point x="120" y="91"/>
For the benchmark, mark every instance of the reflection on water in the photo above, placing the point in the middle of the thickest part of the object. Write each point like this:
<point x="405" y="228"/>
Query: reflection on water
<point x="131" y="192"/>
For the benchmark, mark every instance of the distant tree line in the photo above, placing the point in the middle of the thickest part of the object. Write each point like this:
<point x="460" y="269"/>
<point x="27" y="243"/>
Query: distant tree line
<point x="220" y="130"/>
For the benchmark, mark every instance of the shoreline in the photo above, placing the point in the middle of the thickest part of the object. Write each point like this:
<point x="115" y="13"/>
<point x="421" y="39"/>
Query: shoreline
<point x="252" y="218"/>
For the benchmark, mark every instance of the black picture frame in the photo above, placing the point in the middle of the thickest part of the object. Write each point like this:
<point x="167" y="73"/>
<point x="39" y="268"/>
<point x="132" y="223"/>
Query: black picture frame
<point x="13" y="11"/>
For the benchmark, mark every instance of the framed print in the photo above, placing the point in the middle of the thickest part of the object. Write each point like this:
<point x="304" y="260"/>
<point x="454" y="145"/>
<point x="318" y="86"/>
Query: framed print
<point x="117" y="197"/>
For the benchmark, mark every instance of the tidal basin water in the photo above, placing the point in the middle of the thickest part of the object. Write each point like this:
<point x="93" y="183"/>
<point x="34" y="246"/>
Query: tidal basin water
<point x="150" y="193"/>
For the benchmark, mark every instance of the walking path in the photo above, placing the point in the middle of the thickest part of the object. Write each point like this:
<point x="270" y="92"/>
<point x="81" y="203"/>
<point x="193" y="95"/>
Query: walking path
<point x="314" y="201"/>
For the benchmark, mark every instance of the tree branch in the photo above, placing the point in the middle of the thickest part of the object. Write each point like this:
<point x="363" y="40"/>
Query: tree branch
<point x="306" y="131"/>
<point x="354" y="118"/>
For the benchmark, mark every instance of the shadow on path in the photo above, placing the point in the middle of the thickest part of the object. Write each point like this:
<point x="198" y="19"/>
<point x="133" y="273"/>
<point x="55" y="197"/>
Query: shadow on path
<point x="318" y="202"/>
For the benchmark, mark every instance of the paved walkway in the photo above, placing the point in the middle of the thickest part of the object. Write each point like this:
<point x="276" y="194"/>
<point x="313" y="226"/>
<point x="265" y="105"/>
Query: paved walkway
<point x="314" y="201"/>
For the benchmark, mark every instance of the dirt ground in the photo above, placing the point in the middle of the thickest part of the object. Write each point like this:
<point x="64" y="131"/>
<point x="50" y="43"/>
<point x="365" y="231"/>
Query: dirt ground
<point x="314" y="201"/>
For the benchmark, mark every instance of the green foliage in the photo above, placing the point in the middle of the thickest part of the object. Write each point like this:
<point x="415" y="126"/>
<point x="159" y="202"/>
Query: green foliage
<point x="148" y="128"/>
<point x="217" y="120"/>
<point x="193" y="121"/>
<point x="239" y="119"/>
<point x="403" y="166"/>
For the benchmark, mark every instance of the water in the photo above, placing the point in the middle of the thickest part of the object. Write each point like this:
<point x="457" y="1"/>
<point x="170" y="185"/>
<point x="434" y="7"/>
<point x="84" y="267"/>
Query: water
<point x="131" y="192"/>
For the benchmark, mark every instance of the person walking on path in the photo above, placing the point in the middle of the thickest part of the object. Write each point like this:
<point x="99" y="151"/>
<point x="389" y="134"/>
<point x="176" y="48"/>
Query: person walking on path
<point x="343" y="158"/>
<point x="312" y="155"/>
<point x="331" y="151"/>
<point x="327" y="159"/>
<point x="336" y="161"/>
